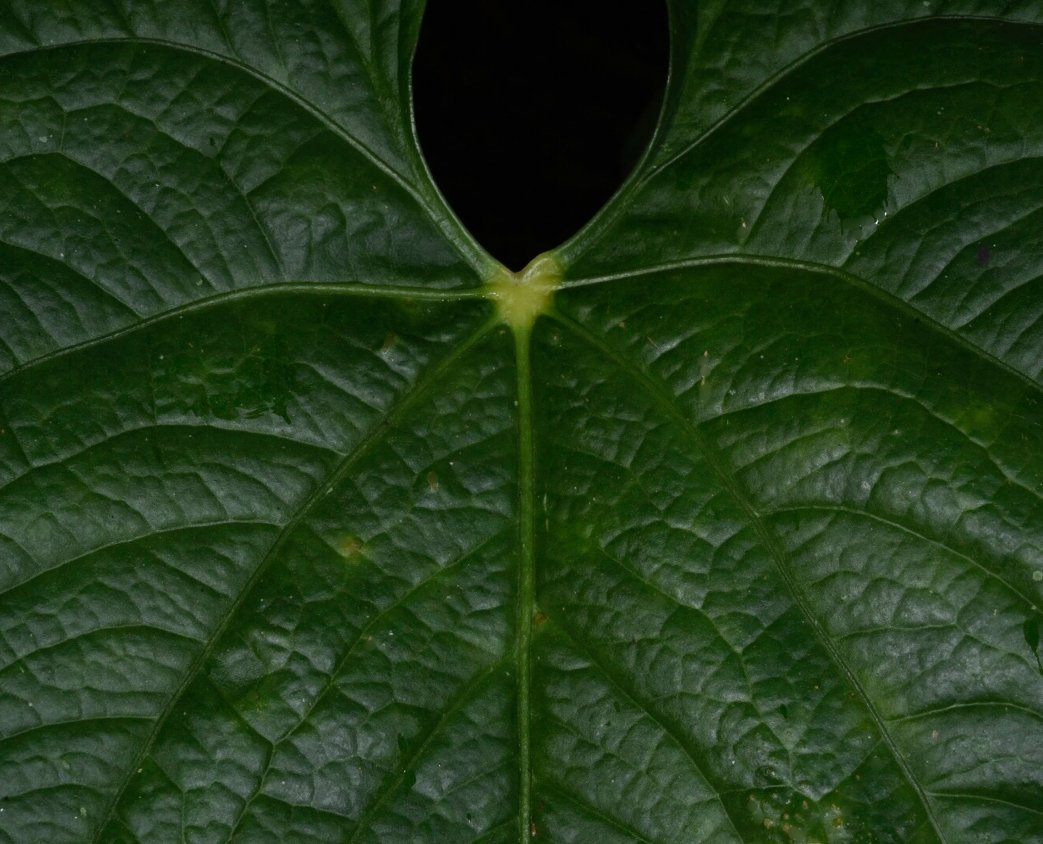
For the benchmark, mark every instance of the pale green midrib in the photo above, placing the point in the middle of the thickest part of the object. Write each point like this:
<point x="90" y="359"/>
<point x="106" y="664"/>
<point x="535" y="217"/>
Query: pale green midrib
<point x="346" y="289"/>
<point x="432" y="205"/>
<point x="662" y="397"/>
<point x="526" y="574"/>
<point x="405" y="402"/>
<point x="573" y="249"/>
<point x="859" y="283"/>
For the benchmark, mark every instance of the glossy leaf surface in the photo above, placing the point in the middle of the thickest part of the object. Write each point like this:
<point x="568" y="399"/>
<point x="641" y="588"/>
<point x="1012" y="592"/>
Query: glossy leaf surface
<point x="315" y="526"/>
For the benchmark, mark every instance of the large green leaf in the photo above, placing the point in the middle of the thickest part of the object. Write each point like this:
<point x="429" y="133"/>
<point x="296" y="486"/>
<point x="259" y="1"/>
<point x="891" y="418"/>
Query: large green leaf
<point x="316" y="525"/>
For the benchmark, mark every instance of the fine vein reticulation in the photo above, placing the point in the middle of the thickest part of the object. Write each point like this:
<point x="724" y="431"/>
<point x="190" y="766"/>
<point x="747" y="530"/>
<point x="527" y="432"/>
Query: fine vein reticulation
<point x="723" y="519"/>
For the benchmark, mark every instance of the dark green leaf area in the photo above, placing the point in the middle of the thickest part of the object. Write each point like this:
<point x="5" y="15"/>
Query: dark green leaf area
<point x="743" y="48"/>
<point x="364" y="683"/>
<point x="849" y="164"/>
<point x="140" y="178"/>
<point x="319" y="53"/>
<point x="747" y="513"/>
<point x="278" y="563"/>
<point x="247" y="382"/>
<point x="157" y="574"/>
<point x="642" y="621"/>
<point x="905" y="118"/>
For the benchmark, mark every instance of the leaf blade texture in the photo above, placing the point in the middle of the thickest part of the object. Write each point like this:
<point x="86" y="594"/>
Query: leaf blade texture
<point x="737" y="536"/>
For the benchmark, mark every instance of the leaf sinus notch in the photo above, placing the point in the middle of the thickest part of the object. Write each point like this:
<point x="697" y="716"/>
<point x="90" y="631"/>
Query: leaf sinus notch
<point x="521" y="297"/>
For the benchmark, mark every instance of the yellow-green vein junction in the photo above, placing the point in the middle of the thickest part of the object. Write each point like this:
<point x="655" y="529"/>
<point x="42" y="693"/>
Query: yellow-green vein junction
<point x="521" y="297"/>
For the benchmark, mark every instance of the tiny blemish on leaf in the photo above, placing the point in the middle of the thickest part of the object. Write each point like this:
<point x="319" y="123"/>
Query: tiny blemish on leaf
<point x="349" y="546"/>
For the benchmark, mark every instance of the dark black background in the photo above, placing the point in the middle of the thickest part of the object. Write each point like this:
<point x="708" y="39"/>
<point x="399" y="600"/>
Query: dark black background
<point x="532" y="112"/>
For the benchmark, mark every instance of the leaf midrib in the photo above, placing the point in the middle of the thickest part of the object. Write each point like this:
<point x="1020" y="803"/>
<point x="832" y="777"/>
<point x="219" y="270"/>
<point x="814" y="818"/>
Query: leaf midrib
<point x="526" y="573"/>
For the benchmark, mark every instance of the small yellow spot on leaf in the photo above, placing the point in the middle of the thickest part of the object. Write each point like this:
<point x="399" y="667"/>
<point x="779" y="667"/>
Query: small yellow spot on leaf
<point x="349" y="546"/>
